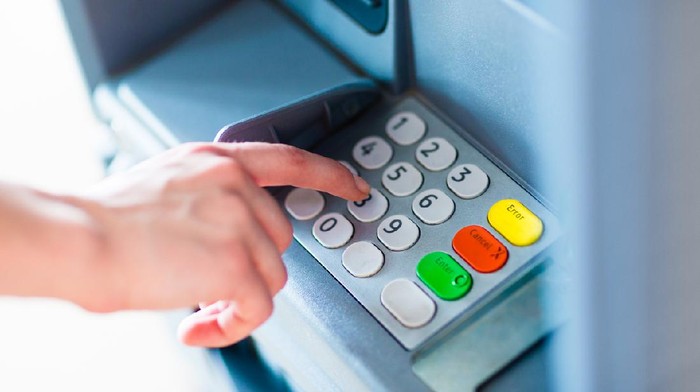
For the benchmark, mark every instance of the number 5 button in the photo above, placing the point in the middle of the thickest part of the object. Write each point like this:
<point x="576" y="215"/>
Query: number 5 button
<point x="402" y="179"/>
<point x="467" y="181"/>
<point x="397" y="232"/>
<point x="433" y="206"/>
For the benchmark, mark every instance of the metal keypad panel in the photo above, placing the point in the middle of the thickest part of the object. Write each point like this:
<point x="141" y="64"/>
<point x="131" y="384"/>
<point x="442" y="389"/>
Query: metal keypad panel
<point x="432" y="241"/>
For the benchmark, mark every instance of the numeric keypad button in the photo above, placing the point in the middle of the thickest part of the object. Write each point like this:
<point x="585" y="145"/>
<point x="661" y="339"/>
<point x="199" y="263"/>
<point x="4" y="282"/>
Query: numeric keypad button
<point x="333" y="230"/>
<point x="405" y="128"/>
<point x="372" y="152"/>
<point x="304" y="204"/>
<point x="402" y="179"/>
<point x="436" y="154"/>
<point x="467" y="181"/>
<point x="362" y="259"/>
<point x="433" y="206"/>
<point x="369" y="209"/>
<point x="408" y="303"/>
<point x="398" y="233"/>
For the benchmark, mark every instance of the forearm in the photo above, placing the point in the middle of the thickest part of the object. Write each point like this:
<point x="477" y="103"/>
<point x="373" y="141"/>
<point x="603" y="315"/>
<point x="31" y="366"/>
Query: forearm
<point x="48" y="246"/>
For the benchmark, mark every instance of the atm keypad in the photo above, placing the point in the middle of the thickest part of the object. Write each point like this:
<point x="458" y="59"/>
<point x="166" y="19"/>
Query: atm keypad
<point x="442" y="226"/>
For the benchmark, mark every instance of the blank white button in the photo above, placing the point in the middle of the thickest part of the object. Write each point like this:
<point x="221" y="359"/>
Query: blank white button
<point x="372" y="152"/>
<point x="304" y="204"/>
<point x="349" y="166"/>
<point x="405" y="128"/>
<point x="370" y="209"/>
<point x="408" y="303"/>
<point x="436" y="154"/>
<point x="333" y="230"/>
<point x="362" y="259"/>
<point x="467" y="181"/>
<point x="397" y="232"/>
<point x="402" y="179"/>
<point x="433" y="206"/>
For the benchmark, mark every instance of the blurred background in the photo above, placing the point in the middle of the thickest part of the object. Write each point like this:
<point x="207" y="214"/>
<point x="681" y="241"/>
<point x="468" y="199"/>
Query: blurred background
<point x="50" y="138"/>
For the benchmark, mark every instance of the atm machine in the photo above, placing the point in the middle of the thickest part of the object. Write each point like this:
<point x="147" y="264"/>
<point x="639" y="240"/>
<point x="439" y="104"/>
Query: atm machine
<point x="448" y="278"/>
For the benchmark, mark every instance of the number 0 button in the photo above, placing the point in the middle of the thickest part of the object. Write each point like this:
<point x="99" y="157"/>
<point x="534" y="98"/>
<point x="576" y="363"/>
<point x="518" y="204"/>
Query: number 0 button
<point x="467" y="181"/>
<point x="333" y="230"/>
<point x="372" y="152"/>
<point x="402" y="179"/>
<point x="397" y="233"/>
<point x="436" y="154"/>
<point x="433" y="206"/>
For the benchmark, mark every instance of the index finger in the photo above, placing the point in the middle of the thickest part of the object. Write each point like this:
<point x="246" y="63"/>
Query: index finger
<point x="280" y="164"/>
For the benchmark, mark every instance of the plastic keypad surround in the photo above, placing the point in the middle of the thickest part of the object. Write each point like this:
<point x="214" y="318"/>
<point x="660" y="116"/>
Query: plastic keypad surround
<point x="429" y="198"/>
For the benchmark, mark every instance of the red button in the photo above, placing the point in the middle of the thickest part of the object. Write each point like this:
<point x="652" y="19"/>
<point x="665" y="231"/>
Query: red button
<point x="480" y="249"/>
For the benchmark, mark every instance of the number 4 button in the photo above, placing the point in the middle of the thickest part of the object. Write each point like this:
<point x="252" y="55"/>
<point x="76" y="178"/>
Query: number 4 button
<point x="467" y="181"/>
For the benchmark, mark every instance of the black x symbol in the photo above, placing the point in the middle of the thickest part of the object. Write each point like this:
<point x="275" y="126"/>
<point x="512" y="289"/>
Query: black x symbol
<point x="498" y="253"/>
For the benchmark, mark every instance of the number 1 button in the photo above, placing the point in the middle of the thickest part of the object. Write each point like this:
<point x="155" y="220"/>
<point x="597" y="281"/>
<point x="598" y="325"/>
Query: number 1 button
<point x="405" y="128"/>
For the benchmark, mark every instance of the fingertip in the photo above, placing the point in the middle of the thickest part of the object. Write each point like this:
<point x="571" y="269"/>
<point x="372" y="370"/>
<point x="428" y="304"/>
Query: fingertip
<point x="362" y="185"/>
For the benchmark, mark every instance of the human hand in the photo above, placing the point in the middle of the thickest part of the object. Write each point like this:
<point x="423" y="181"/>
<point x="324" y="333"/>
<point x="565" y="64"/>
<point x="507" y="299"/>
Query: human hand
<point x="192" y="225"/>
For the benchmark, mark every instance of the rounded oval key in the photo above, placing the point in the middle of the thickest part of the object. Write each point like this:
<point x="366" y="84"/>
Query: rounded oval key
<point x="402" y="179"/>
<point x="405" y="128"/>
<point x="333" y="230"/>
<point x="372" y="152"/>
<point x="362" y="259"/>
<point x="436" y="154"/>
<point x="304" y="204"/>
<point x="433" y="206"/>
<point x="370" y="209"/>
<point x="467" y="181"/>
<point x="408" y="303"/>
<point x="398" y="233"/>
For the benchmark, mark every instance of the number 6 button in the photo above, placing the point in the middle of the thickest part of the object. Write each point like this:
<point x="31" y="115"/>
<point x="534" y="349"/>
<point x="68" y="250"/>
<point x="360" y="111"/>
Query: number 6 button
<point x="467" y="181"/>
<point x="433" y="206"/>
<point x="397" y="233"/>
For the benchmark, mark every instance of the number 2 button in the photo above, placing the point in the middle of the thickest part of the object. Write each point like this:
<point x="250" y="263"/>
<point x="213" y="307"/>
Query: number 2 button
<point x="436" y="154"/>
<point x="397" y="232"/>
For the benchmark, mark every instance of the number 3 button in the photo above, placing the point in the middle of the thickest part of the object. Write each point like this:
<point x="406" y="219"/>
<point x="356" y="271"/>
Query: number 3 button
<point x="397" y="232"/>
<point x="433" y="206"/>
<point x="467" y="181"/>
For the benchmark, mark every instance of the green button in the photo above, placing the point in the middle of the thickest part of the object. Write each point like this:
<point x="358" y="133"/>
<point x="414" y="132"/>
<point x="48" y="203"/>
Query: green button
<point x="442" y="274"/>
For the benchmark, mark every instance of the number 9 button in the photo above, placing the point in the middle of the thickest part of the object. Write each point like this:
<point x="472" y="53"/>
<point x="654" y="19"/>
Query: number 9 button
<point x="398" y="233"/>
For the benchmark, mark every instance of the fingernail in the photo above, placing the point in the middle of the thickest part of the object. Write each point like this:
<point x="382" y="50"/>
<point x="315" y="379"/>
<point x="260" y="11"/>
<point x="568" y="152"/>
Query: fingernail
<point x="362" y="185"/>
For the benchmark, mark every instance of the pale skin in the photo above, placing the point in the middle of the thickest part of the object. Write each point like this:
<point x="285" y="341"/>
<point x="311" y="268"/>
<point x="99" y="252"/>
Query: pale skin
<point x="190" y="227"/>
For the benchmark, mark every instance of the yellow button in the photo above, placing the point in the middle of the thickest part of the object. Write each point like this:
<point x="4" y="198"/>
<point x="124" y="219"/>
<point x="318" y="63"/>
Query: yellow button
<point x="515" y="222"/>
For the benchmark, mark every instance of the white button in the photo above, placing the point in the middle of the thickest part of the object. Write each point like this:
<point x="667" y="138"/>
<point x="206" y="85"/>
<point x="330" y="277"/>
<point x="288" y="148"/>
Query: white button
<point x="405" y="128"/>
<point x="402" y="179"/>
<point x="349" y="166"/>
<point x="397" y="232"/>
<point x="369" y="209"/>
<point x="436" y="154"/>
<point x="408" y="303"/>
<point x="362" y="259"/>
<point x="372" y="152"/>
<point x="304" y="204"/>
<point x="333" y="230"/>
<point x="467" y="181"/>
<point x="433" y="206"/>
